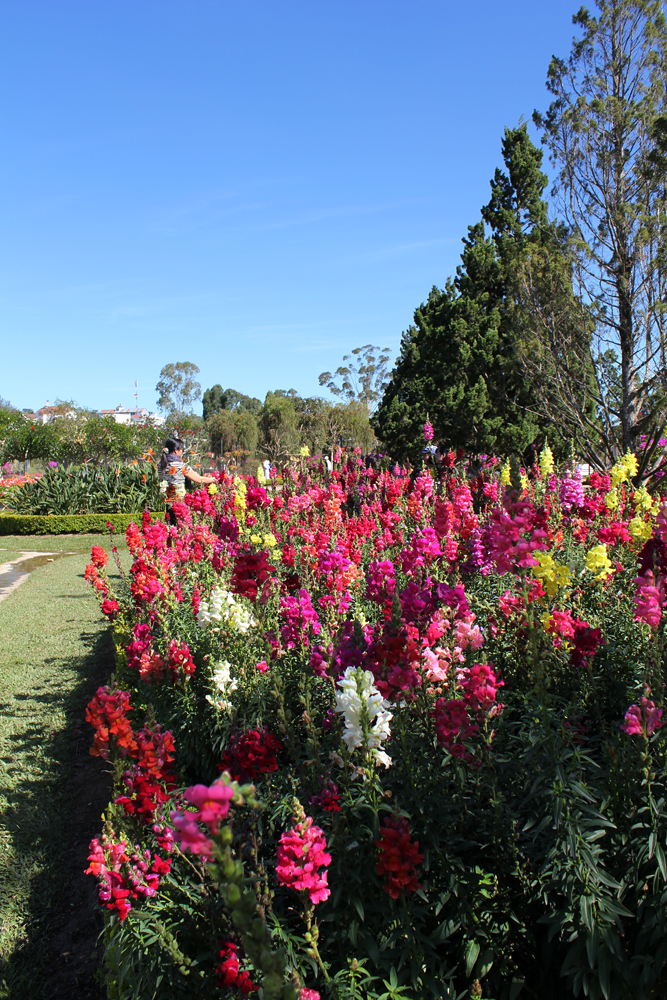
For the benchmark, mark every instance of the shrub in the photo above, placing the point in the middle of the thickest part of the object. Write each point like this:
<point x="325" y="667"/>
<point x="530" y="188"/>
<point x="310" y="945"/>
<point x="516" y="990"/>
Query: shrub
<point x="65" y="524"/>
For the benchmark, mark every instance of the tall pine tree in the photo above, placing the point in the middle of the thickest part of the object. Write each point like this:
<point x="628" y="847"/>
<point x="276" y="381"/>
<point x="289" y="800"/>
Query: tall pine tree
<point x="458" y="364"/>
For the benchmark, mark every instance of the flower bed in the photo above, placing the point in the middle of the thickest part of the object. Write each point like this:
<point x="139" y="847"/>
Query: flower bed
<point x="381" y="738"/>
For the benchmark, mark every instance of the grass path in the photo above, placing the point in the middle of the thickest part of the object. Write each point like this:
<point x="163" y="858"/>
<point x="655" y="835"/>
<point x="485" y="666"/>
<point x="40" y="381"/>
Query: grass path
<point x="54" y="652"/>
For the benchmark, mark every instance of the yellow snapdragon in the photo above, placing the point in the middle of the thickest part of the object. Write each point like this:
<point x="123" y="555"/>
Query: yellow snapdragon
<point x="304" y="452"/>
<point x="642" y="498"/>
<point x="212" y="489"/>
<point x="597" y="561"/>
<point x="624" y="469"/>
<point x="552" y="575"/>
<point x="546" y="461"/>
<point x="611" y="500"/>
<point x="240" y="490"/>
<point x="505" y="475"/>
<point x="640" y="529"/>
<point x="270" y="540"/>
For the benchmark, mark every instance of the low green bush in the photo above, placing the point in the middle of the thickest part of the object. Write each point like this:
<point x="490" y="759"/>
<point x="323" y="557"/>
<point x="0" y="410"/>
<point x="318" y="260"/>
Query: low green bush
<point x="66" y="524"/>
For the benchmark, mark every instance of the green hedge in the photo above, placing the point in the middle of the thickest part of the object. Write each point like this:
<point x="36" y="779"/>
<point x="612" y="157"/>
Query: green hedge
<point x="66" y="524"/>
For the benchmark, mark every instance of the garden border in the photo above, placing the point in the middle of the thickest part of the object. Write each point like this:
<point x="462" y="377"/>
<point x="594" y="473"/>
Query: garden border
<point x="67" y="524"/>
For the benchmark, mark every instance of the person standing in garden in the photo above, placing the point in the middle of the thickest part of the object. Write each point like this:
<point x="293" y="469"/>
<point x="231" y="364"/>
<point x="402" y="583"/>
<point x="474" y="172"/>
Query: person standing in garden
<point x="172" y="473"/>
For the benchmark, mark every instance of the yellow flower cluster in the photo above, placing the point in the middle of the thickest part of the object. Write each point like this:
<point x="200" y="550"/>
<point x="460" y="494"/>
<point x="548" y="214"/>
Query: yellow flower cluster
<point x="546" y="461"/>
<point x="552" y="575"/>
<point x="611" y="500"/>
<point x="239" y="499"/>
<point x="624" y="469"/>
<point x="640" y="529"/>
<point x="642" y="498"/>
<point x="212" y="489"/>
<point x="505" y="475"/>
<point x="597" y="561"/>
<point x="304" y="451"/>
<point x="268" y="539"/>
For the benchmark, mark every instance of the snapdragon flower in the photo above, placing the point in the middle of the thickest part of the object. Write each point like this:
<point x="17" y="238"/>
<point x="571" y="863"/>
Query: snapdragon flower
<point x="224" y="607"/>
<point x="546" y="461"/>
<point x="365" y="711"/>
<point x="225" y="683"/>
<point x="597" y="561"/>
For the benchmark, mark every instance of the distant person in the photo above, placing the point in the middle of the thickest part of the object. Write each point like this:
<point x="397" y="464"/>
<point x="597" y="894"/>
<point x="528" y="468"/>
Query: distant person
<point x="266" y="466"/>
<point x="172" y="473"/>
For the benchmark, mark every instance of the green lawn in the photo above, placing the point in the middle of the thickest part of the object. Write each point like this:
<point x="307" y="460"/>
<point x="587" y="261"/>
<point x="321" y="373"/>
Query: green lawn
<point x="54" y="652"/>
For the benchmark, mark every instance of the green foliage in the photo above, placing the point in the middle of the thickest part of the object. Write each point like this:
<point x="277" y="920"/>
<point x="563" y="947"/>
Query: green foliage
<point x="87" y="490"/>
<point x="66" y="524"/>
<point x="21" y="440"/>
<point x="362" y="379"/>
<point x="216" y="399"/>
<point x="232" y="431"/>
<point x="278" y="427"/>
<point x="458" y="365"/>
<point x="81" y="436"/>
<point x="177" y="388"/>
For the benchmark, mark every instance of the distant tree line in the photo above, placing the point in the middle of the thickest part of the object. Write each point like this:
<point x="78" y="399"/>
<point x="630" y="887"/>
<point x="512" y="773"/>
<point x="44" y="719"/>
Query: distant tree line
<point x="76" y="436"/>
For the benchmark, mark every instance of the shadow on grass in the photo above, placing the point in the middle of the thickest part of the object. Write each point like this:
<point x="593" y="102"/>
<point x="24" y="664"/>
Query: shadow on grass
<point x="53" y="810"/>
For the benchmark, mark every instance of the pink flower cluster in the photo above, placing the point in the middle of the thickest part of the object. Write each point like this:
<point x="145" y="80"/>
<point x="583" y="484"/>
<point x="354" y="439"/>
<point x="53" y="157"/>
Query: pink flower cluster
<point x="453" y="723"/>
<point x="506" y="542"/>
<point x="212" y="805"/>
<point x="299" y="620"/>
<point x="124" y="875"/>
<point x="302" y="860"/>
<point x="642" y="719"/>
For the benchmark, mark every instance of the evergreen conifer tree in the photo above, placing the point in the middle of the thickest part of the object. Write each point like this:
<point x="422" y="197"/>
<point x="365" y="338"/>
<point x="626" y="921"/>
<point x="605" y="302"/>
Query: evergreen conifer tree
<point x="458" y="365"/>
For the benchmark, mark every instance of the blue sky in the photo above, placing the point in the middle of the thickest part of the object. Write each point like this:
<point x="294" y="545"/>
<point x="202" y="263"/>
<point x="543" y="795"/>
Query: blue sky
<point x="255" y="187"/>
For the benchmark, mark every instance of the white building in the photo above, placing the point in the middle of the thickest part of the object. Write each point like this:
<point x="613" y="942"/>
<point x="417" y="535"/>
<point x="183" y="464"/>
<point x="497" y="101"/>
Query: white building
<point x="140" y="415"/>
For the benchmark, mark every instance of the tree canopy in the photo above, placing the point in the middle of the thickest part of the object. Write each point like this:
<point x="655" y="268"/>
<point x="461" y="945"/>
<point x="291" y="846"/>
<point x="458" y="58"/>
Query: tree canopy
<point x="177" y="388"/>
<point x="606" y="132"/>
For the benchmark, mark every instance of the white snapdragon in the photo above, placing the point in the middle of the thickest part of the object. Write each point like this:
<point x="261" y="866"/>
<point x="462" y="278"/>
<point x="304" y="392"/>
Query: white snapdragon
<point x="225" y="683"/>
<point x="363" y="708"/>
<point x="223" y="606"/>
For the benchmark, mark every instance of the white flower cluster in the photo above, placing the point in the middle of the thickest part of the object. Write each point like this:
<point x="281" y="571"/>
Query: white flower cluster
<point x="222" y="678"/>
<point x="361" y="703"/>
<point x="224" y="607"/>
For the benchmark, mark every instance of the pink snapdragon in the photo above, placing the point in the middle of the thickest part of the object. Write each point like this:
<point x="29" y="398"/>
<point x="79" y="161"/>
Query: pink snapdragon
<point x="212" y="803"/>
<point x="649" y="599"/>
<point x="481" y="684"/>
<point x="642" y="719"/>
<point x="299" y="620"/>
<point x="302" y="859"/>
<point x="453" y="725"/>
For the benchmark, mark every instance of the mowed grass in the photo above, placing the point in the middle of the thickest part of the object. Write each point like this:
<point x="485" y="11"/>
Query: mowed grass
<point x="55" y="650"/>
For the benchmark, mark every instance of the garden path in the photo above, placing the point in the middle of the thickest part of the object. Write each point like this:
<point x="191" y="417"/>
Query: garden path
<point x="17" y="571"/>
<point x="54" y="652"/>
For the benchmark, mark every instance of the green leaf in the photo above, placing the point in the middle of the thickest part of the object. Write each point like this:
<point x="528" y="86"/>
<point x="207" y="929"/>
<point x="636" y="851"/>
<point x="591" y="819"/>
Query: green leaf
<point x="471" y="953"/>
<point x="660" y="856"/>
<point x="515" y="988"/>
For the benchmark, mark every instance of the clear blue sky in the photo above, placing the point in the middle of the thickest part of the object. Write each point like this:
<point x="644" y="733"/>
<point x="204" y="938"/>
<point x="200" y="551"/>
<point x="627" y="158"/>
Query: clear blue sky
<point x="256" y="187"/>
